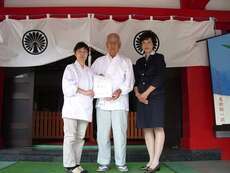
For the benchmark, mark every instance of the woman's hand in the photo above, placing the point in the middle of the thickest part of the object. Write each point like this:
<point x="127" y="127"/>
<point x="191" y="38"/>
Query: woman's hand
<point x="144" y="95"/>
<point x="89" y="93"/>
<point x="138" y="95"/>
<point x="143" y="101"/>
<point x="142" y="98"/>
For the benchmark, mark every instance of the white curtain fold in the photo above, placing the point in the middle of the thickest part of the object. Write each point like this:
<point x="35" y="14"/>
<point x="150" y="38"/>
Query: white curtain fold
<point x="55" y="39"/>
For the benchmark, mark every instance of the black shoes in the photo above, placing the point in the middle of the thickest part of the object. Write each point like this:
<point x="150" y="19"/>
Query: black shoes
<point x="144" y="167"/>
<point x="150" y="170"/>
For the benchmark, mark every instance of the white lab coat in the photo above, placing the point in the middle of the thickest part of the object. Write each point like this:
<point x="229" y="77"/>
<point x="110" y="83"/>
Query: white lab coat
<point x="119" y="70"/>
<point x="76" y="105"/>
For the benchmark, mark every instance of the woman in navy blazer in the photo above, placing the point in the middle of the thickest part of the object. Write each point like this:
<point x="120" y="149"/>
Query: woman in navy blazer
<point x="149" y="90"/>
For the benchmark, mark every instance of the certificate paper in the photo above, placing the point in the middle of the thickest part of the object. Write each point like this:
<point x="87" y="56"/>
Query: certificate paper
<point x="102" y="87"/>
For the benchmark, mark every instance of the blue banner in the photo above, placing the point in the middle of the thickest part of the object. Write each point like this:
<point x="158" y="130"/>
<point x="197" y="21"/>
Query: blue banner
<point x="219" y="56"/>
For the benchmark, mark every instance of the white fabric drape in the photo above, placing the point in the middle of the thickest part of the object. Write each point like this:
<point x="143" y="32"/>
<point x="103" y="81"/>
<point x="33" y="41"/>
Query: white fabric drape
<point x="177" y="39"/>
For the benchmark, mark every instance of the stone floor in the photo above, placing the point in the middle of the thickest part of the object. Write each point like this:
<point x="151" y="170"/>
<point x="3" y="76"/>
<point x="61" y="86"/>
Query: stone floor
<point x="135" y="153"/>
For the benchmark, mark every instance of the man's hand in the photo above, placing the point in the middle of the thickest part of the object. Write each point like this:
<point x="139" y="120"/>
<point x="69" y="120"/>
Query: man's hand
<point x="116" y="94"/>
<point x="109" y="98"/>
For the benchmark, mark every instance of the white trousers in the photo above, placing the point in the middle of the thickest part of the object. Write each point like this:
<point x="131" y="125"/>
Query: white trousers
<point x="118" y="121"/>
<point x="74" y="133"/>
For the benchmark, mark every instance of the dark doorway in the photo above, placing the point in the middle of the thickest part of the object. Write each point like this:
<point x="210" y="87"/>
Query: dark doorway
<point x="18" y="106"/>
<point x="173" y="116"/>
<point x="46" y="96"/>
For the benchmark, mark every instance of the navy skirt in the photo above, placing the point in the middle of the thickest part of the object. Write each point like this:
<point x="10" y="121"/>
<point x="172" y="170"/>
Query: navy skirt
<point x="152" y="114"/>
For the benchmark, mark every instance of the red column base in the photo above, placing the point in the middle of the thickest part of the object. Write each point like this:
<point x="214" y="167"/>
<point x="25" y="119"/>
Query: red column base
<point x="1" y="103"/>
<point x="198" y="113"/>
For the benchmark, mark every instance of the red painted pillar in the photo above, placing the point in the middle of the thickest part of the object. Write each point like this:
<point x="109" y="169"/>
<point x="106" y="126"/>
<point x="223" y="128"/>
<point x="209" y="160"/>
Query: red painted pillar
<point x="1" y="103"/>
<point x="198" y="113"/>
<point x="1" y="3"/>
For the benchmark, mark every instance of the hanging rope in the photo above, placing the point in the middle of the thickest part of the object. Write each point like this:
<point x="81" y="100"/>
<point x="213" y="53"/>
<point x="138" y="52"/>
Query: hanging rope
<point x="105" y="16"/>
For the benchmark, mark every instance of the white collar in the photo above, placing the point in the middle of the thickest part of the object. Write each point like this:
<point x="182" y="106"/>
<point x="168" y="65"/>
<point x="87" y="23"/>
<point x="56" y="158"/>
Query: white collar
<point x="152" y="53"/>
<point x="110" y="57"/>
<point x="79" y="65"/>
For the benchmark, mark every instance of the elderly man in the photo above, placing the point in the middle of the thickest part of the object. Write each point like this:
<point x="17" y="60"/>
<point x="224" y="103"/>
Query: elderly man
<point x="113" y="112"/>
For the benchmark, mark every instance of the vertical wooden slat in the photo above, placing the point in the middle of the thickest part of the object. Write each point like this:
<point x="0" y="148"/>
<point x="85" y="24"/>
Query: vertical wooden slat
<point x="130" y="121"/>
<point x="37" y="124"/>
<point x="53" y="124"/>
<point x="90" y="133"/>
<point x="135" y="129"/>
<point x="61" y="127"/>
<point x="132" y="126"/>
<point x="41" y="123"/>
<point x="45" y="124"/>
<point x="50" y="125"/>
<point x="56" y="127"/>
<point x="129" y="126"/>
<point x="61" y="124"/>
<point x="33" y="124"/>
<point x="133" y="132"/>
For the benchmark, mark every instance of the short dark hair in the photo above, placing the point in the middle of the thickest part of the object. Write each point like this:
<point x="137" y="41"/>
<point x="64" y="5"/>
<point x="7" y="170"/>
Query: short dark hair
<point x="80" y="45"/>
<point x="149" y="35"/>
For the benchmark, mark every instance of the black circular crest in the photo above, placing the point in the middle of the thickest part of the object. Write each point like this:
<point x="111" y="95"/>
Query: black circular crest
<point x="34" y="42"/>
<point x="137" y="43"/>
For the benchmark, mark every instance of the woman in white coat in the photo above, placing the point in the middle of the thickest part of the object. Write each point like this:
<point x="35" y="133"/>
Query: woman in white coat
<point x="77" y="85"/>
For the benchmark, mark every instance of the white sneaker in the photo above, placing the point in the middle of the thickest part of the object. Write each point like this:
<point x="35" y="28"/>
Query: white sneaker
<point x="123" y="168"/>
<point x="79" y="169"/>
<point x="102" y="168"/>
